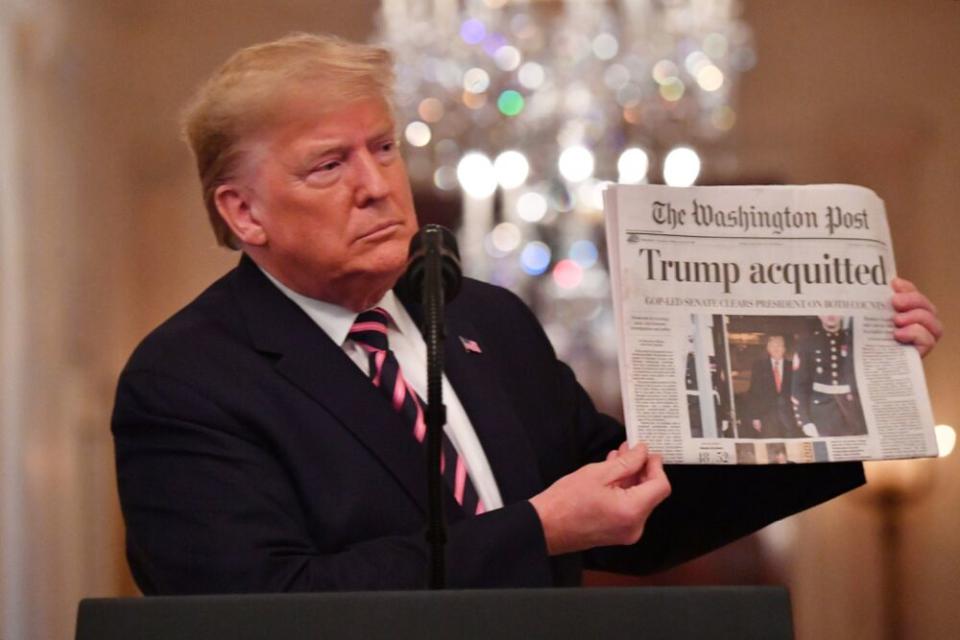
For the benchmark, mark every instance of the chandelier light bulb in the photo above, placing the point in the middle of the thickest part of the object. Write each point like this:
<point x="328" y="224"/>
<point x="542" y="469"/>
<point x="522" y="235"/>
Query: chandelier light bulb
<point x="576" y="163"/>
<point x="681" y="167"/>
<point x="476" y="175"/>
<point x="632" y="166"/>
<point x="511" y="168"/>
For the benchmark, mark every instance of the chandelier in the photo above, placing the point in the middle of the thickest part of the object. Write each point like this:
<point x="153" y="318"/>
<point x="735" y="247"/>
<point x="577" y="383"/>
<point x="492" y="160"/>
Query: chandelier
<point x="548" y="77"/>
<point x="530" y="107"/>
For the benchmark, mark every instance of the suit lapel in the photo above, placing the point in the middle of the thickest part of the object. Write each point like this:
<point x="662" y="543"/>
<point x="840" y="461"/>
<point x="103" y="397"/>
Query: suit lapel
<point x="310" y="360"/>
<point x="476" y="381"/>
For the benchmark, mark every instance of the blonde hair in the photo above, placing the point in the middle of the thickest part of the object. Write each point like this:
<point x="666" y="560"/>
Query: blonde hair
<point x="245" y="94"/>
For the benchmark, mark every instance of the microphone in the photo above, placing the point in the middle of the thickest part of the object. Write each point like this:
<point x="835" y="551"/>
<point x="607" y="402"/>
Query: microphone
<point x="432" y="279"/>
<point x="432" y="242"/>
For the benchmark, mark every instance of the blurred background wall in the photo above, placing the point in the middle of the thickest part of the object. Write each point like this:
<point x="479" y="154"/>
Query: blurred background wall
<point x="103" y="235"/>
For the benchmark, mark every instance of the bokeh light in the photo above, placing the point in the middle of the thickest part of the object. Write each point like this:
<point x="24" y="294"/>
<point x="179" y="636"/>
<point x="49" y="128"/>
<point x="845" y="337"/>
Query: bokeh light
<point x="511" y="168"/>
<point x="672" y="90"/>
<point x="695" y="62"/>
<point x="474" y="100"/>
<point x="567" y="274"/>
<point x="431" y="110"/>
<point x="476" y="175"/>
<point x="445" y="178"/>
<point x="616" y="76"/>
<point x="946" y="439"/>
<point x="476" y="80"/>
<point x="531" y="207"/>
<point x="473" y="31"/>
<point x="506" y="237"/>
<point x="510" y="102"/>
<point x="710" y="78"/>
<point x="723" y="118"/>
<point x="535" y="258"/>
<point x="664" y="71"/>
<point x="632" y="166"/>
<point x="531" y="75"/>
<point x="605" y="46"/>
<point x="715" y="44"/>
<point x="576" y="163"/>
<point x="417" y="133"/>
<point x="507" y="58"/>
<point x="584" y="253"/>
<point x="681" y="167"/>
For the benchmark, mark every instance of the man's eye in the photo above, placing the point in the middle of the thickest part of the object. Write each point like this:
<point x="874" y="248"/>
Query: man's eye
<point x="327" y="167"/>
<point x="388" y="146"/>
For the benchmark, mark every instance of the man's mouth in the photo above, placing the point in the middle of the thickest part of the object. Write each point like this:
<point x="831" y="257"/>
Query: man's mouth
<point x="380" y="230"/>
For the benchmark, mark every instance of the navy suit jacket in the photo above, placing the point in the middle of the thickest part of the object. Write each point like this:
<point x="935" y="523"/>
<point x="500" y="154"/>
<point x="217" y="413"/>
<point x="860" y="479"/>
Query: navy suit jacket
<point x="254" y="456"/>
<point x="768" y="405"/>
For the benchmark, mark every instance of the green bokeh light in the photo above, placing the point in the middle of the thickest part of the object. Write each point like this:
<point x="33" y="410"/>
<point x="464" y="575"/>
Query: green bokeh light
<point x="510" y="103"/>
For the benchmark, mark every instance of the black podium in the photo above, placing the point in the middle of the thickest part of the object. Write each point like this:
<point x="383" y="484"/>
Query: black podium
<point x="648" y="613"/>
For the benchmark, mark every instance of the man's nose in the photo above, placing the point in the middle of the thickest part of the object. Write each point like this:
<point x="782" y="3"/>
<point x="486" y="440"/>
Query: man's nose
<point x="370" y="182"/>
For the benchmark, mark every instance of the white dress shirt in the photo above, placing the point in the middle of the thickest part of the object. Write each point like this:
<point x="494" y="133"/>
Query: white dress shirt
<point x="408" y="346"/>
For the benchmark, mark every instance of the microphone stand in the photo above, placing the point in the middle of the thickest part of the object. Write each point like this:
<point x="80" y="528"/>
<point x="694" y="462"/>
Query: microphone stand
<point x="436" y="412"/>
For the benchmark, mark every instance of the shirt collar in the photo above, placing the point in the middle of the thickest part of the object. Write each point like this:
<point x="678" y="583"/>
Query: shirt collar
<point x="336" y="320"/>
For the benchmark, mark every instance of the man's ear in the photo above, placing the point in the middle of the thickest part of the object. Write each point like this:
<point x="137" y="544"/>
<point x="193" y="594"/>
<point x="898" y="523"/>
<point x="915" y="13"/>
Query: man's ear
<point x="236" y="208"/>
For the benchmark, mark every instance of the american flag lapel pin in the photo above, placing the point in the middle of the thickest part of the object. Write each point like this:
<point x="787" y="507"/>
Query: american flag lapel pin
<point x="470" y="346"/>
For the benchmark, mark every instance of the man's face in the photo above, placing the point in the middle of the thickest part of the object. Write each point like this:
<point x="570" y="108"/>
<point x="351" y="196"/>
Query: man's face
<point x="331" y="193"/>
<point x="831" y="323"/>
<point x="775" y="348"/>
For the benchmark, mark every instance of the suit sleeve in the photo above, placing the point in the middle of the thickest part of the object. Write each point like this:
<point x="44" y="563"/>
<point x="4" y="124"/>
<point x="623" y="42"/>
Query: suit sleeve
<point x="209" y="509"/>
<point x="710" y="506"/>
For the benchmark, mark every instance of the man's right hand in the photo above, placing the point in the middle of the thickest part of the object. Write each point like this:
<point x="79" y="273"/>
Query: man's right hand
<point x="605" y="503"/>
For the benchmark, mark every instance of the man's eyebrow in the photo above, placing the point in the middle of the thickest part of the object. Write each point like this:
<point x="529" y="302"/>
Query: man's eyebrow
<point x="385" y="132"/>
<point x="320" y="148"/>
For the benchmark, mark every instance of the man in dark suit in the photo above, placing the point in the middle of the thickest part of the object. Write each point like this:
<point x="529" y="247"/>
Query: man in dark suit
<point x="768" y="398"/>
<point x="268" y="435"/>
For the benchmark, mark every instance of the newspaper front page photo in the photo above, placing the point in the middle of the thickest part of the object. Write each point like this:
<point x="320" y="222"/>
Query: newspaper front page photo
<point x="755" y="326"/>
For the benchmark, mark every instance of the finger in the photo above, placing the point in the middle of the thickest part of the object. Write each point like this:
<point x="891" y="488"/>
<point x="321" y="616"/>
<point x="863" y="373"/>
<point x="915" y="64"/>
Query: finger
<point x="902" y="285"/>
<point x="611" y="454"/>
<point x="627" y="481"/>
<point x="653" y="468"/>
<point x="624" y="464"/>
<point x="912" y="300"/>
<point x="653" y="490"/>
<point x="921" y="317"/>
<point x="916" y="335"/>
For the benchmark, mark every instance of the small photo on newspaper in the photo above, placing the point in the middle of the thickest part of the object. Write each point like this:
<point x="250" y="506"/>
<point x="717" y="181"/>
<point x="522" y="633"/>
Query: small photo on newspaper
<point x="755" y="326"/>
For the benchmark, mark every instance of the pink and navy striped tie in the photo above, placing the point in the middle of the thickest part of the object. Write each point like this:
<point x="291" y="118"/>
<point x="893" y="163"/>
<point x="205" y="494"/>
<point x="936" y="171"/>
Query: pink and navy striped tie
<point x="370" y="333"/>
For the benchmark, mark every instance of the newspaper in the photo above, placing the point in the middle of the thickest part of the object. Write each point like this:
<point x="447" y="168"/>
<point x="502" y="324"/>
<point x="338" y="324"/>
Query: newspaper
<point x="755" y="326"/>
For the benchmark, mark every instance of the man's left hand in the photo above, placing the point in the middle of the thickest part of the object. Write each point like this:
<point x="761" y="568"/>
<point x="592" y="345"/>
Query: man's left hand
<point x="916" y="318"/>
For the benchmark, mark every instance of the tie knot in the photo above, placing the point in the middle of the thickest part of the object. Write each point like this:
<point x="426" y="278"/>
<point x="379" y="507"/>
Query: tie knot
<point x="369" y="330"/>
